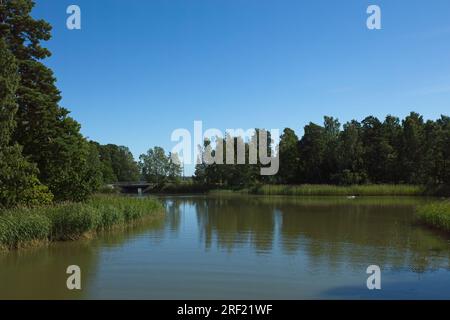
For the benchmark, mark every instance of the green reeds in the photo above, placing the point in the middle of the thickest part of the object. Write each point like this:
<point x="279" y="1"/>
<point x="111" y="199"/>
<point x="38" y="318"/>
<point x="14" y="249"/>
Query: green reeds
<point x="330" y="190"/>
<point x="70" y="221"/>
<point x="436" y="215"/>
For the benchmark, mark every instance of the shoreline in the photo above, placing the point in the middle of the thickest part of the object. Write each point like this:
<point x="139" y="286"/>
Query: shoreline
<point x="436" y="215"/>
<point x="22" y="228"/>
<point x="306" y="190"/>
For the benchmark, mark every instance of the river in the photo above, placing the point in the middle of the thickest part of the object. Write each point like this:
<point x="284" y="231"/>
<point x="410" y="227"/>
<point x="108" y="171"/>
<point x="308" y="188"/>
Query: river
<point x="246" y="247"/>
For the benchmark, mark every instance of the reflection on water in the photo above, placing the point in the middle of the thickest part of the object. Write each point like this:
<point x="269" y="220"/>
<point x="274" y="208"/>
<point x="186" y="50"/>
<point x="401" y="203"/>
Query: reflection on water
<point x="246" y="247"/>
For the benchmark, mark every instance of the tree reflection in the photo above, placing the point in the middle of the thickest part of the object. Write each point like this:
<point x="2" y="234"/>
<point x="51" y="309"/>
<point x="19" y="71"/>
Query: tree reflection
<point x="343" y="233"/>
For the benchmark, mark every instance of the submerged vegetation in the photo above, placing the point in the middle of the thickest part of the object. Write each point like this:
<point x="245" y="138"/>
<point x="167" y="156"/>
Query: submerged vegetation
<point x="436" y="215"/>
<point x="23" y="227"/>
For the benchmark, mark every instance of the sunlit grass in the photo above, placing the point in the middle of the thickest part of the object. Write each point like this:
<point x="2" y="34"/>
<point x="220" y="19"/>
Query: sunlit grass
<point x="70" y="221"/>
<point x="436" y="215"/>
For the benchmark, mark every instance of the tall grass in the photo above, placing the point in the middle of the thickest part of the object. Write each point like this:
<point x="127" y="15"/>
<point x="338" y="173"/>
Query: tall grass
<point x="331" y="190"/>
<point x="436" y="215"/>
<point x="70" y="221"/>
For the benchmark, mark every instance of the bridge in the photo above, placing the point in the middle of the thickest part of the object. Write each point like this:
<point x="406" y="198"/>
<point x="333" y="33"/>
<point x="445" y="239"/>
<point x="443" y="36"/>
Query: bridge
<point x="135" y="187"/>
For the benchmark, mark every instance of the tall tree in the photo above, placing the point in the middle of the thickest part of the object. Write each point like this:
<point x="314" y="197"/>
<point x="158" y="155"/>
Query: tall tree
<point x="50" y="138"/>
<point x="412" y="152"/>
<point x="159" y="168"/>
<point x="117" y="163"/>
<point x="312" y="151"/>
<point x="350" y="155"/>
<point x="375" y="148"/>
<point x="174" y="170"/>
<point x="19" y="184"/>
<point x="289" y="157"/>
<point x="329" y="165"/>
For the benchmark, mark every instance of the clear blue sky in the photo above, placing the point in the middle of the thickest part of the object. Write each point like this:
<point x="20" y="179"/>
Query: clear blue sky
<point x="140" y="69"/>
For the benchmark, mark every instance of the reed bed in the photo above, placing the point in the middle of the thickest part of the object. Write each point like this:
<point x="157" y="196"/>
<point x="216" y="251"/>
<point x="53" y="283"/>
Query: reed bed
<point x="331" y="190"/>
<point x="23" y="227"/>
<point x="436" y="215"/>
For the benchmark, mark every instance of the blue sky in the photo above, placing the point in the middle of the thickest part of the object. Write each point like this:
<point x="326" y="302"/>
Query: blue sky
<point x="139" y="69"/>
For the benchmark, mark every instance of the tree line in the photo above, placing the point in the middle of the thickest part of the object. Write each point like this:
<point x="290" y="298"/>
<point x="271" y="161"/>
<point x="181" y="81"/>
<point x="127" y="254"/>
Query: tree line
<point x="392" y="151"/>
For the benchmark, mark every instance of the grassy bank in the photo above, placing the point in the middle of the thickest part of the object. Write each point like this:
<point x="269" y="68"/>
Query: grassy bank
<point x="330" y="190"/>
<point x="436" y="215"/>
<point x="70" y="221"/>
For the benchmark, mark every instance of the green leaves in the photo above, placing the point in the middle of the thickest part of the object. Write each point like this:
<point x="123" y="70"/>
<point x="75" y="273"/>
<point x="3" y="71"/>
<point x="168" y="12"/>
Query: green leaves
<point x="158" y="168"/>
<point x="18" y="181"/>
<point x="50" y="139"/>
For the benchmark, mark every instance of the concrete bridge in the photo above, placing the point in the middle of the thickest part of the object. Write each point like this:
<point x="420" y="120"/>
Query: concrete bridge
<point x="134" y="187"/>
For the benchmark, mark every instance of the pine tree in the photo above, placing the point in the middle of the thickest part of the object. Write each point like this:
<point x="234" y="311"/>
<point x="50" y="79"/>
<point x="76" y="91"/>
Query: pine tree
<point x="50" y="138"/>
<point x="19" y="184"/>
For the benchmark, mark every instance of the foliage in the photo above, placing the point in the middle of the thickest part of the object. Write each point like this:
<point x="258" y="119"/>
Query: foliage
<point x="436" y="215"/>
<point x="50" y="139"/>
<point x="19" y="227"/>
<point x="374" y="152"/>
<point x="69" y="221"/>
<point x="117" y="163"/>
<point x="158" y="168"/>
<point x="19" y="184"/>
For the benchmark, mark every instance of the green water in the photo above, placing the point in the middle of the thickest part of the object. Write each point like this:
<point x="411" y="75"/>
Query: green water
<point x="246" y="247"/>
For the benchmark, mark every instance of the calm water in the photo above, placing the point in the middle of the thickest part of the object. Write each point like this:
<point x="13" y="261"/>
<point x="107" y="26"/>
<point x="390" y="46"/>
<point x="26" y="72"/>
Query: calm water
<point x="238" y="247"/>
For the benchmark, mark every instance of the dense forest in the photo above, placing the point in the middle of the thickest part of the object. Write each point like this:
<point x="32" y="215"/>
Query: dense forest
<point x="393" y="151"/>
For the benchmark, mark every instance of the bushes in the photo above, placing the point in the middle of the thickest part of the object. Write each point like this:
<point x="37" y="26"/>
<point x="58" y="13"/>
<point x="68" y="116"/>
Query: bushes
<point x="71" y="221"/>
<point x="436" y="215"/>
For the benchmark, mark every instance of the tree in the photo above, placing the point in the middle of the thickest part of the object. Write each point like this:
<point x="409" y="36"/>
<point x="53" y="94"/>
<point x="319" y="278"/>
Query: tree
<point x="174" y="169"/>
<point x="106" y="169"/>
<point x="412" y="153"/>
<point x="329" y="166"/>
<point x="391" y="145"/>
<point x="312" y="151"/>
<point x="443" y="143"/>
<point x="19" y="184"/>
<point x="117" y="163"/>
<point x="376" y="149"/>
<point x="289" y="157"/>
<point x="159" y="168"/>
<point x="350" y="155"/>
<point x="50" y="138"/>
<point x="200" y="174"/>
<point x="436" y="161"/>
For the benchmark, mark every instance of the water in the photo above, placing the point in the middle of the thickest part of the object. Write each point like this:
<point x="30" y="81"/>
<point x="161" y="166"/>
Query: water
<point x="246" y="247"/>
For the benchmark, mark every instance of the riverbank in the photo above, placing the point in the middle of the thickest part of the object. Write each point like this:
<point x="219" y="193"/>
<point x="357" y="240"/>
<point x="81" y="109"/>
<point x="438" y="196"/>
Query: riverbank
<point x="436" y="215"/>
<point x="304" y="190"/>
<point x="24" y="227"/>
<point x="332" y="190"/>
